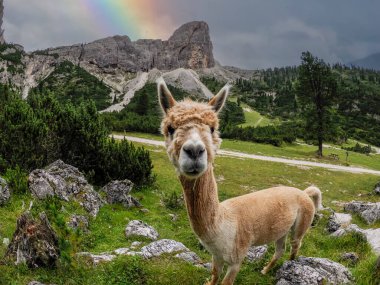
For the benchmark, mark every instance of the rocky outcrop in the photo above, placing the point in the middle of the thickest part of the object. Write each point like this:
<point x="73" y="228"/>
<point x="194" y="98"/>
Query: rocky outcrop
<point x="338" y="220"/>
<point x="351" y="257"/>
<point x="67" y="183"/>
<point x="118" y="192"/>
<point x="139" y="228"/>
<point x="4" y="192"/>
<point x="189" y="47"/>
<point x="370" y="212"/>
<point x="162" y="246"/>
<point x="38" y="283"/>
<point x="78" y="222"/>
<point x="34" y="242"/>
<point x="96" y="259"/>
<point x="256" y="253"/>
<point x="376" y="190"/>
<point x="371" y="235"/>
<point x="313" y="271"/>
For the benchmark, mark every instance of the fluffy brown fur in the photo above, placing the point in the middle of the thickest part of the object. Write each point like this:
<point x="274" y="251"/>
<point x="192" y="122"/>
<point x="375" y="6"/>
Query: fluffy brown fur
<point x="229" y="228"/>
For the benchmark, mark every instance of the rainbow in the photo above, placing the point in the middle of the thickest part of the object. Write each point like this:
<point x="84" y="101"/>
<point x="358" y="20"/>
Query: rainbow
<point x="134" y="18"/>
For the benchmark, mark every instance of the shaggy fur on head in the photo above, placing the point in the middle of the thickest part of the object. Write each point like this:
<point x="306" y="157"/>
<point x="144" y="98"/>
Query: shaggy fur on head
<point x="187" y="115"/>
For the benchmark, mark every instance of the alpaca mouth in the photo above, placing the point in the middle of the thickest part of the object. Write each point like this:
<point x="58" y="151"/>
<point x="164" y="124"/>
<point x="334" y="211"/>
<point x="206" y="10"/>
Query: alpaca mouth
<point x="194" y="172"/>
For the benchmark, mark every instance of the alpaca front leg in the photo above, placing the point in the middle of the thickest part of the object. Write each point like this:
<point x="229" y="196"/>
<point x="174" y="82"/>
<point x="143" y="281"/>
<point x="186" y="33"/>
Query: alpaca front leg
<point x="217" y="267"/>
<point x="232" y="271"/>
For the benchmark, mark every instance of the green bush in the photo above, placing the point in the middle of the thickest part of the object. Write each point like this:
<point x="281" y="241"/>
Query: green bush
<point x="366" y="149"/>
<point x="40" y="131"/>
<point x="172" y="201"/>
<point x="17" y="180"/>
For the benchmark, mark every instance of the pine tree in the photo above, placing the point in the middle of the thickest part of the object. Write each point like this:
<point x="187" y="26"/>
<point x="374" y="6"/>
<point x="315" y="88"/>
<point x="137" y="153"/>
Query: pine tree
<point x="317" y="92"/>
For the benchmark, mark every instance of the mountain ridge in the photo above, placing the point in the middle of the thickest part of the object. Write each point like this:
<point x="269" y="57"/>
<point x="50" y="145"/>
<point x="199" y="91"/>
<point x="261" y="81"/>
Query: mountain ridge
<point x="371" y="61"/>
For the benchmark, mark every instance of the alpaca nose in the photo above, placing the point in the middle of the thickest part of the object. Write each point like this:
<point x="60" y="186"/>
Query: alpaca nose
<point x="194" y="150"/>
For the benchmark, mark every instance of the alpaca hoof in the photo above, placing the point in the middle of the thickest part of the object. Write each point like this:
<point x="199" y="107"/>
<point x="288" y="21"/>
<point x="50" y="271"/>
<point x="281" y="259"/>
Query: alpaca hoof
<point x="264" y="271"/>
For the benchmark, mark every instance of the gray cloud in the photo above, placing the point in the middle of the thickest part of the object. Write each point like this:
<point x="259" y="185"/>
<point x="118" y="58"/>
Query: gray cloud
<point x="248" y="34"/>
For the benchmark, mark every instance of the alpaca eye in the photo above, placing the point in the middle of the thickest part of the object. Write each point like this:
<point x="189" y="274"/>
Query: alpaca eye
<point x="212" y="129"/>
<point x="171" y="130"/>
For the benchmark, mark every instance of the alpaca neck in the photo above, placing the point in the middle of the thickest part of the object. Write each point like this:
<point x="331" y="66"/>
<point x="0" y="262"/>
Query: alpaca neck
<point x="202" y="203"/>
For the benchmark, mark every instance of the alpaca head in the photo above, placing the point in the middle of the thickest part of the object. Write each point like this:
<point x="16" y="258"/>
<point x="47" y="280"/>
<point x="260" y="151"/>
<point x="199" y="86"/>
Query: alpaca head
<point x="191" y="130"/>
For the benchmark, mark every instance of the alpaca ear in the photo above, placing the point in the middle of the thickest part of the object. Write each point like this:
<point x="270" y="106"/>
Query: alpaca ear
<point x="164" y="96"/>
<point x="217" y="102"/>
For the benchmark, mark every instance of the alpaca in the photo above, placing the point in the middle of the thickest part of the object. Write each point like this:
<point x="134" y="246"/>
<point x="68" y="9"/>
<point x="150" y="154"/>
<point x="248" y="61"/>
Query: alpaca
<point x="228" y="229"/>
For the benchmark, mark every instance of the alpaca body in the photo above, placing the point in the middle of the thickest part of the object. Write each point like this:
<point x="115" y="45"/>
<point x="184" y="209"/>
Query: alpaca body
<point x="257" y="218"/>
<point x="229" y="228"/>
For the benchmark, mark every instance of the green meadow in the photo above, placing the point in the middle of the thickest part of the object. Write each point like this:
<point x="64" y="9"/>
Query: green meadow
<point x="235" y="177"/>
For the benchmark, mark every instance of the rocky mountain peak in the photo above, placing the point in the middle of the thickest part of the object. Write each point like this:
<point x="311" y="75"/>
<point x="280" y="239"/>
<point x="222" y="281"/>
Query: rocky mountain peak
<point x="193" y="45"/>
<point x="189" y="47"/>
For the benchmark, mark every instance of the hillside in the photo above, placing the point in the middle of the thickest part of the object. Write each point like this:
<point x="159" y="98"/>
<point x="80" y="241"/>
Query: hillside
<point x="72" y="83"/>
<point x="370" y="62"/>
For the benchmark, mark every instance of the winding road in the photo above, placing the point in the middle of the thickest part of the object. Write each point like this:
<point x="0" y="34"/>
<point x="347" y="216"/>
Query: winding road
<point x="288" y="161"/>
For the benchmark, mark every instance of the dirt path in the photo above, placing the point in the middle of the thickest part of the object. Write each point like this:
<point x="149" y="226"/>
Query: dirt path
<point x="236" y="154"/>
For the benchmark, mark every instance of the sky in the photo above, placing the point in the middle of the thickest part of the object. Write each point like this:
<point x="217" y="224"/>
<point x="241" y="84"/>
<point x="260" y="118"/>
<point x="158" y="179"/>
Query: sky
<point x="248" y="34"/>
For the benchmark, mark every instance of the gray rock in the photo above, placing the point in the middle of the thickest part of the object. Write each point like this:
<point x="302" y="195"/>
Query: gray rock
<point x="34" y="243"/>
<point x="371" y="235"/>
<point x="373" y="238"/>
<point x="6" y="241"/>
<point x="67" y="183"/>
<point x="370" y="212"/>
<point x="139" y="228"/>
<point x="38" y="283"/>
<point x="4" y="192"/>
<point x="78" y="222"/>
<point x="207" y="265"/>
<point x="162" y="246"/>
<point x="118" y="192"/>
<point x="96" y="259"/>
<point x="376" y="190"/>
<point x="351" y="228"/>
<point x="338" y="220"/>
<point x="136" y="244"/>
<point x="310" y="271"/>
<point x="256" y="253"/>
<point x="190" y="257"/>
<point x="122" y="251"/>
<point x="352" y="257"/>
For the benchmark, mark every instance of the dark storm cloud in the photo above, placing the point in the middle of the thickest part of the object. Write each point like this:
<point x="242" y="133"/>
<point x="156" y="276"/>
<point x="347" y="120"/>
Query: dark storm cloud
<point x="248" y="34"/>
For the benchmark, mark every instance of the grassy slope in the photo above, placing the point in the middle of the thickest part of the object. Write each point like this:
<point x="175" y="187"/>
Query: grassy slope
<point x="252" y="117"/>
<point x="107" y="231"/>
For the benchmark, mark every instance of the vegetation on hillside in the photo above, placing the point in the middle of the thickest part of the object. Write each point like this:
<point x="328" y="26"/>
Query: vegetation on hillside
<point x="12" y="56"/>
<point x="41" y="130"/>
<point x="355" y="113"/>
<point x="71" y="83"/>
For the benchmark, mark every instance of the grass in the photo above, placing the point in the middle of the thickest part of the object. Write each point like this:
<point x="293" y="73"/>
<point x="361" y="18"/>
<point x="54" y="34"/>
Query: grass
<point x="254" y="118"/>
<point x="107" y="230"/>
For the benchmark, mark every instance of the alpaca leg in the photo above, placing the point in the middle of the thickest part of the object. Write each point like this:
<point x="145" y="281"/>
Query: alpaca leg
<point x="217" y="267"/>
<point x="232" y="271"/>
<point x="280" y="249"/>
<point x="300" y="228"/>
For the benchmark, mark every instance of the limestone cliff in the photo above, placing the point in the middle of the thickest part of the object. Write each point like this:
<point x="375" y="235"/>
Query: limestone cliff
<point x="189" y="47"/>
